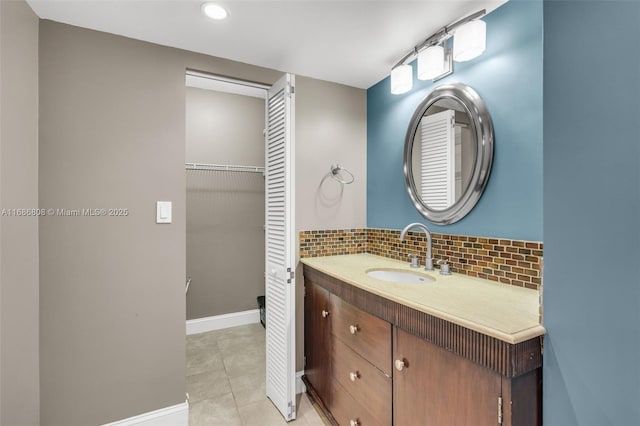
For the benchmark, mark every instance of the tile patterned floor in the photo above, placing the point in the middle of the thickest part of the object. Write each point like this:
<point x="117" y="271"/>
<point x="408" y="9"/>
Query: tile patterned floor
<point x="226" y="381"/>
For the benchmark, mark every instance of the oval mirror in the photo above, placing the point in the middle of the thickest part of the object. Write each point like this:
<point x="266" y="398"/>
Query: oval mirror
<point x="448" y="153"/>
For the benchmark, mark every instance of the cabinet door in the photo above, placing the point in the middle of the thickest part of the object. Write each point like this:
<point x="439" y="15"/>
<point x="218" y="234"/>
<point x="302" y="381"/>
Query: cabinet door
<point x="437" y="387"/>
<point x="317" y="343"/>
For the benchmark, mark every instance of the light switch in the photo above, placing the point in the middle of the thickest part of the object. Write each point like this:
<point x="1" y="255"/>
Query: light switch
<point x="163" y="212"/>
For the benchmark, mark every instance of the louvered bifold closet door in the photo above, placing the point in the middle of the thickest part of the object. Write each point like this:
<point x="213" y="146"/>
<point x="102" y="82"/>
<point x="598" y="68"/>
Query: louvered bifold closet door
<point x="280" y="246"/>
<point x="438" y="159"/>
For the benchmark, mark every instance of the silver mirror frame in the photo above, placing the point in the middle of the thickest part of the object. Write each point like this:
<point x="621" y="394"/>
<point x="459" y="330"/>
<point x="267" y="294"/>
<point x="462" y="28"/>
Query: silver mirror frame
<point x="483" y="133"/>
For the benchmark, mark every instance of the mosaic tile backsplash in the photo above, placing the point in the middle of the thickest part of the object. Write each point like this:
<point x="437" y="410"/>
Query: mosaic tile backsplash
<point x="333" y="242"/>
<point x="511" y="262"/>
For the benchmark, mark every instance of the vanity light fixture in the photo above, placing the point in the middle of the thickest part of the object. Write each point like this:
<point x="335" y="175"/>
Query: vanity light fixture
<point x="470" y="41"/>
<point x="431" y="62"/>
<point x="214" y="11"/>
<point x="401" y="79"/>
<point x="435" y="58"/>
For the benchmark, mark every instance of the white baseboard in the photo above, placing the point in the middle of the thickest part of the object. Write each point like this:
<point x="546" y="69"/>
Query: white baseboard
<point x="176" y="415"/>
<point x="300" y="387"/>
<point x="218" y="322"/>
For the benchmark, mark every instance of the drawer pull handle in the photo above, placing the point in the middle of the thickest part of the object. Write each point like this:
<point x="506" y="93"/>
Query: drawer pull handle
<point x="354" y="376"/>
<point x="354" y="423"/>
<point x="400" y="364"/>
<point x="325" y="313"/>
<point x="353" y="329"/>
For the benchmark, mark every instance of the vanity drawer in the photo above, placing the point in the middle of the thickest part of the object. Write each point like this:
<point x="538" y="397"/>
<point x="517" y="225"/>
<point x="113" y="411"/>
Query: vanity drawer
<point x="367" y="335"/>
<point x="347" y="411"/>
<point x="366" y="384"/>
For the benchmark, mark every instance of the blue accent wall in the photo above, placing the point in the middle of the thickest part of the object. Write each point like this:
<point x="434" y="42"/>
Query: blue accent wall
<point x="592" y="213"/>
<point x="508" y="76"/>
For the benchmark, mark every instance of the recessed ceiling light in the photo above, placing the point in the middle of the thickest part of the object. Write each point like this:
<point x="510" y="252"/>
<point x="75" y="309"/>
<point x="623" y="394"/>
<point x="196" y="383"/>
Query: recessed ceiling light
<point x="214" y="11"/>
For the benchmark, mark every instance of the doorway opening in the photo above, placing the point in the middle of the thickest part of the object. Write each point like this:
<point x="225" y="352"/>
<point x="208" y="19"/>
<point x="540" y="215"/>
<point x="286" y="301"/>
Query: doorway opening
<point x="238" y="140"/>
<point x="225" y="243"/>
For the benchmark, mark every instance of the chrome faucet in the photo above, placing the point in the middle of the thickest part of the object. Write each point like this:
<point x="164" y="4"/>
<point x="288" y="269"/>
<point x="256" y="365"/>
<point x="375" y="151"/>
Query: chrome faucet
<point x="429" y="261"/>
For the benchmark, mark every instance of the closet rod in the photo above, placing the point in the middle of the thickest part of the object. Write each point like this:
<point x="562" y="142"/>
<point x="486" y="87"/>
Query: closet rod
<point x="224" y="168"/>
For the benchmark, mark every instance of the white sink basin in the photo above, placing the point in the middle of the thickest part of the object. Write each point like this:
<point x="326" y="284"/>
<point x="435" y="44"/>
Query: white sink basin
<point x="400" y="276"/>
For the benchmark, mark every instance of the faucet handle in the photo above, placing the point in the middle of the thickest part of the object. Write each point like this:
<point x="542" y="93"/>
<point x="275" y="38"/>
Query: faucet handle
<point x="414" y="261"/>
<point x="444" y="267"/>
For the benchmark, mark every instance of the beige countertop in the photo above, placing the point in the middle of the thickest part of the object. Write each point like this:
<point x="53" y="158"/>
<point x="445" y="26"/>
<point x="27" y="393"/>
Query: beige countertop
<point x="503" y="311"/>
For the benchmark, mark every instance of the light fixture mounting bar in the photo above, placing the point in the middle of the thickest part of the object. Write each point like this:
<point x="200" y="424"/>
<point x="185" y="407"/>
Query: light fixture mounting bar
<point x="440" y="35"/>
<point x="466" y="19"/>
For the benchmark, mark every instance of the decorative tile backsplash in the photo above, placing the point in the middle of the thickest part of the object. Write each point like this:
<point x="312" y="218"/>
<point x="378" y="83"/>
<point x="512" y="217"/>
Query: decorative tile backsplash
<point x="332" y="242"/>
<point x="512" y="262"/>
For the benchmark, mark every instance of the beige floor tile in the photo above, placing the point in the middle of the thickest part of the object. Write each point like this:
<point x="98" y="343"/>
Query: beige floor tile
<point x="220" y="411"/>
<point x="304" y="405"/>
<point x="243" y="330"/>
<point x="309" y="412"/>
<point x="202" y="341"/>
<point x="315" y="421"/>
<point x="261" y="413"/>
<point x="199" y="345"/>
<point x="299" y="421"/>
<point x="204" y="361"/>
<point x="206" y="336"/>
<point x="248" y="389"/>
<point x="226" y="381"/>
<point x="208" y="385"/>
<point x="249" y="361"/>
<point x="239" y="344"/>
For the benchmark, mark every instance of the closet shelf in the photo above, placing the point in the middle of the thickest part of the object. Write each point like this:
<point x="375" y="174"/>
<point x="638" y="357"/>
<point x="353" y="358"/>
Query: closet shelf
<point x="224" y="168"/>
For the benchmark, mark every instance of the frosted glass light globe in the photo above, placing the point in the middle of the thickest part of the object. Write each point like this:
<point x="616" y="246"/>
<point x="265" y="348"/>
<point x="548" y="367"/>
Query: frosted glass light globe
<point x="401" y="79"/>
<point x="469" y="41"/>
<point x="430" y="63"/>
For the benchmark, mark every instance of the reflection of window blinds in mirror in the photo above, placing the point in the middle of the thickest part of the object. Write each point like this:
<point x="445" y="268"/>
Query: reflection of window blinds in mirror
<point x="438" y="160"/>
<point x="458" y="162"/>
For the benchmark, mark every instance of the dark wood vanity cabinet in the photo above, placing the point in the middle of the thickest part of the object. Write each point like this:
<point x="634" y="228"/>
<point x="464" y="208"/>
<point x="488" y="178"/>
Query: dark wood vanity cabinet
<point x="372" y="361"/>
<point x="317" y="348"/>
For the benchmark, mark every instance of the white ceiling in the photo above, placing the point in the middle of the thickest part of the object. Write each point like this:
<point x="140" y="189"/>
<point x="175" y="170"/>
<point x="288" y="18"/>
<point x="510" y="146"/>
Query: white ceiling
<point x="354" y="42"/>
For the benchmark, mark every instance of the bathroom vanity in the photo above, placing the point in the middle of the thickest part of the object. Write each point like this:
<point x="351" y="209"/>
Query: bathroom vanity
<point x="455" y="351"/>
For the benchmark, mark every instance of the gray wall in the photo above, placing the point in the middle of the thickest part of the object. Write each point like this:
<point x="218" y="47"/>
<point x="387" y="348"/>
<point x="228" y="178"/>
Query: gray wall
<point x="19" y="353"/>
<point x="112" y="132"/>
<point x="330" y="128"/>
<point x="225" y="210"/>
<point x="591" y="213"/>
<point x="224" y="128"/>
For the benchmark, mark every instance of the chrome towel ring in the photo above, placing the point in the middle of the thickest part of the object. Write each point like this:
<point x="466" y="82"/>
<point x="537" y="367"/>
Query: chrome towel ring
<point x="335" y="174"/>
